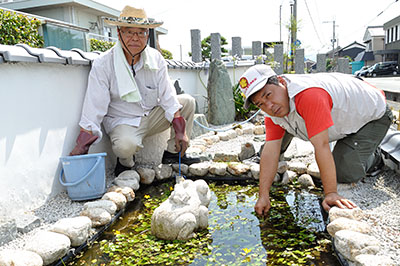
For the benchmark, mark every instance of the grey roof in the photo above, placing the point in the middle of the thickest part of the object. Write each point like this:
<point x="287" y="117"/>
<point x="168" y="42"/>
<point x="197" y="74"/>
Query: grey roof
<point x="365" y="56"/>
<point x="25" y="53"/>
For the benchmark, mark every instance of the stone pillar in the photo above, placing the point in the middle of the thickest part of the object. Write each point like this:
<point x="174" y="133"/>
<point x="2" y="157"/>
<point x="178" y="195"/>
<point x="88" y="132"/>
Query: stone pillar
<point x="215" y="46"/>
<point x="343" y="65"/>
<point x="256" y="50"/>
<point x="196" y="45"/>
<point x="237" y="47"/>
<point x="278" y="58"/>
<point x="299" y="61"/>
<point x="321" y="62"/>
<point x="221" y="106"/>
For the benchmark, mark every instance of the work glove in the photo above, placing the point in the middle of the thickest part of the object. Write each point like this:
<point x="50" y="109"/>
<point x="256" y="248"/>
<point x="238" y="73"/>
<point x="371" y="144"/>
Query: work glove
<point x="181" y="140"/>
<point x="83" y="142"/>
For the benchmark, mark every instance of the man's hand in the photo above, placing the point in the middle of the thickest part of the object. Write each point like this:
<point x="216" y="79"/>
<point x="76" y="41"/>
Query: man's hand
<point x="262" y="206"/>
<point x="181" y="139"/>
<point x="334" y="199"/>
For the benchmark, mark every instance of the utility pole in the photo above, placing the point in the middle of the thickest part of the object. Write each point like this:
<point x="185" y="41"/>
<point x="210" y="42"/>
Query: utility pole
<point x="293" y="31"/>
<point x="333" y="40"/>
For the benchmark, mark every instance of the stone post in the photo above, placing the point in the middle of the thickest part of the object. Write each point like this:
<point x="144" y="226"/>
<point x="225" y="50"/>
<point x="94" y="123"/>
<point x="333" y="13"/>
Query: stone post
<point x="215" y="46"/>
<point x="256" y="49"/>
<point x="343" y="65"/>
<point x="321" y="62"/>
<point x="299" y="61"/>
<point x="237" y="47"/>
<point x="278" y="58"/>
<point x="196" y="45"/>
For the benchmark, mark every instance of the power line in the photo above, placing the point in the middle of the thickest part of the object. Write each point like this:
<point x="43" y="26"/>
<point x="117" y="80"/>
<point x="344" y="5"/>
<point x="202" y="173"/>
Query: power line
<point x="312" y="21"/>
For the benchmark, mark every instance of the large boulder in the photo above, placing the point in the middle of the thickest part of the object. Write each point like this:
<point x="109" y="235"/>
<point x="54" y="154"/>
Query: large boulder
<point x="19" y="258"/>
<point x="77" y="229"/>
<point x="184" y="212"/>
<point x="221" y="106"/>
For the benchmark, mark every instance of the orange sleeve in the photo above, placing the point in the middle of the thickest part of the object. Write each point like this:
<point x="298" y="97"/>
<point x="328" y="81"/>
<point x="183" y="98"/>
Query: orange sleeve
<point x="314" y="105"/>
<point x="272" y="130"/>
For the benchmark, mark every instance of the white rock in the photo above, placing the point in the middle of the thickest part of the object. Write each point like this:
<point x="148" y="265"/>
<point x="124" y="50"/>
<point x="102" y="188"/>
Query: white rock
<point x="183" y="212"/>
<point x="117" y="198"/>
<point x="218" y="168"/>
<point x="288" y="177"/>
<point x="277" y="178"/>
<point x="343" y="223"/>
<point x="98" y="216"/>
<point x="184" y="168"/>
<point x="246" y="151"/>
<point x="351" y="244"/>
<point x="210" y="140"/>
<point x="373" y="260"/>
<point x="49" y="245"/>
<point x="248" y="128"/>
<point x="163" y="171"/>
<point x="77" y="229"/>
<point x="239" y="131"/>
<point x="128" y="178"/>
<point x="282" y="167"/>
<point x="305" y="181"/>
<point x="313" y="170"/>
<point x="10" y="257"/>
<point x="126" y="191"/>
<point x="298" y="167"/>
<point x="259" y="130"/>
<point x="238" y="169"/>
<point x="255" y="171"/>
<point x="227" y="135"/>
<point x="199" y="169"/>
<point x="107" y="205"/>
<point x="147" y="175"/>
<point x="226" y="157"/>
<point x="354" y="214"/>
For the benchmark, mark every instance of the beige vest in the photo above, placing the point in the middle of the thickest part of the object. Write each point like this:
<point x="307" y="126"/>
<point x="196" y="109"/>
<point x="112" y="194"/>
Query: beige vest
<point x="355" y="103"/>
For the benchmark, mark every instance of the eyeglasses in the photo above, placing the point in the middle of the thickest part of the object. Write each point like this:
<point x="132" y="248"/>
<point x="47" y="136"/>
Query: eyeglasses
<point x="141" y="34"/>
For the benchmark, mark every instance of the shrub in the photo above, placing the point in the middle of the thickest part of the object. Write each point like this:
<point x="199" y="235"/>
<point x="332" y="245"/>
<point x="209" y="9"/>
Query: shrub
<point x="166" y="54"/>
<point x="240" y="112"/>
<point x="15" y="28"/>
<point x="98" y="45"/>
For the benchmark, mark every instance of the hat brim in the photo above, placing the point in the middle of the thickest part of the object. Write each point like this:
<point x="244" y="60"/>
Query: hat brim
<point x="256" y="88"/>
<point x="133" y="24"/>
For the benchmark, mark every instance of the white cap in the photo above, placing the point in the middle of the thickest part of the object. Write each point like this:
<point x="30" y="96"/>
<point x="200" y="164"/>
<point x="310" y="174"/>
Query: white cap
<point x="253" y="80"/>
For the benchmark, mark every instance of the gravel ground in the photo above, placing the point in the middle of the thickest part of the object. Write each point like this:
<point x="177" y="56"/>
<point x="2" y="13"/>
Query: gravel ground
<point x="377" y="196"/>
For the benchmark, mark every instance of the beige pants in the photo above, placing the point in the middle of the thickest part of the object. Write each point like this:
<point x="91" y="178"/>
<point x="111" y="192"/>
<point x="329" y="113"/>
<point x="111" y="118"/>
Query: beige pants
<point x="127" y="140"/>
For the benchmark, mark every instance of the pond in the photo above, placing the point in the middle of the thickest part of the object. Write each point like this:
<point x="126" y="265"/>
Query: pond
<point x="293" y="233"/>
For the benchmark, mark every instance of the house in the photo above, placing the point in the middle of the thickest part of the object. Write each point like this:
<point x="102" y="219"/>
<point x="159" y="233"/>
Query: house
<point x="374" y="38"/>
<point x="83" y="14"/>
<point x="351" y="50"/>
<point x="392" y="40"/>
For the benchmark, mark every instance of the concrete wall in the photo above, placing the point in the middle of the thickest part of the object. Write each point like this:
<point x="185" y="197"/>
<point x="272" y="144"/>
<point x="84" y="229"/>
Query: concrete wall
<point x="40" y="107"/>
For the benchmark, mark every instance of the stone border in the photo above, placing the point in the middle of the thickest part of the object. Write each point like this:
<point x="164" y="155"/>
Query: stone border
<point x="350" y="236"/>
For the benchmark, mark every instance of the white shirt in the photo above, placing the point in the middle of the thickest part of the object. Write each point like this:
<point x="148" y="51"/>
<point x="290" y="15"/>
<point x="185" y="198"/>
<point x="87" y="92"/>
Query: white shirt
<point x="102" y="101"/>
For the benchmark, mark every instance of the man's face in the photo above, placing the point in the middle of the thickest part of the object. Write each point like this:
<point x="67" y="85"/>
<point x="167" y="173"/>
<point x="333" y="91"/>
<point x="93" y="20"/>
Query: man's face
<point x="135" y="39"/>
<point x="272" y="99"/>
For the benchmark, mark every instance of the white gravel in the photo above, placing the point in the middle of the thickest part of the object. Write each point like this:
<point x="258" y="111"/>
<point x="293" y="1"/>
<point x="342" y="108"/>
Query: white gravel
<point x="377" y="196"/>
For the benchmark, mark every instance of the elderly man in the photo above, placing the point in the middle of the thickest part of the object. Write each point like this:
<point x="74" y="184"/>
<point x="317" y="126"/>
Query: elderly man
<point x="130" y="92"/>
<point x="319" y="108"/>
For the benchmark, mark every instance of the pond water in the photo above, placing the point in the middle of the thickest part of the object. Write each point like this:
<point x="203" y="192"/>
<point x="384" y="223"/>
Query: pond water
<point x="293" y="233"/>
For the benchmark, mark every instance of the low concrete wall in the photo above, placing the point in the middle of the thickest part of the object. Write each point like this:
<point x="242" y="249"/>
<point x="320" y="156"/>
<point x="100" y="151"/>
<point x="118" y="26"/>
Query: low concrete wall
<point x="40" y="106"/>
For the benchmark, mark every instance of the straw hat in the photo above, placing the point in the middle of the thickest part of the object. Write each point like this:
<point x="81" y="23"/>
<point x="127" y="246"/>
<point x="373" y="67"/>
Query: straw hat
<point x="133" y="17"/>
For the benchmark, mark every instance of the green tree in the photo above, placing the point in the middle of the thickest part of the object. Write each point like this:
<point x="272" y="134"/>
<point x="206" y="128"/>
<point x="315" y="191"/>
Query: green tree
<point x="206" y="47"/>
<point x="99" y="45"/>
<point x="15" y="28"/>
<point x="166" y="54"/>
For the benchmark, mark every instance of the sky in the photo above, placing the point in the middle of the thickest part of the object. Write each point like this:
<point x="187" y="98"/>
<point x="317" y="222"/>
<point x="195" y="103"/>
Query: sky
<point x="259" y="20"/>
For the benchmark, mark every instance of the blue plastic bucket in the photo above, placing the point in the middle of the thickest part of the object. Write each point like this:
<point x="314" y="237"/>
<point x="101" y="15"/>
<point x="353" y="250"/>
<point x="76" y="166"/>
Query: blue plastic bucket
<point x="85" y="176"/>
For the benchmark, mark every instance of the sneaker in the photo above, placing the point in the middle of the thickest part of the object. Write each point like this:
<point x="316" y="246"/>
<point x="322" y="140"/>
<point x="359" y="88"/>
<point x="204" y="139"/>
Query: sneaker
<point x="119" y="168"/>
<point x="169" y="157"/>
<point x="376" y="169"/>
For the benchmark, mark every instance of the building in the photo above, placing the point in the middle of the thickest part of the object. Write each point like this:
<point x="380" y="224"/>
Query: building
<point x="83" y="20"/>
<point x="351" y="50"/>
<point x="392" y="40"/>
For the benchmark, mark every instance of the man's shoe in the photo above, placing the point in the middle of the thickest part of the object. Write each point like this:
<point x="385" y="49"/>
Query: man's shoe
<point x="169" y="157"/>
<point x="377" y="168"/>
<point x="119" y="168"/>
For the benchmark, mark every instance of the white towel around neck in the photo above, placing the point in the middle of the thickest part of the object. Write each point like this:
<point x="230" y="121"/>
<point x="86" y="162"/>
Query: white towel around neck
<point x="127" y="86"/>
